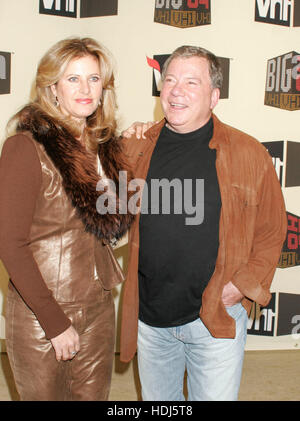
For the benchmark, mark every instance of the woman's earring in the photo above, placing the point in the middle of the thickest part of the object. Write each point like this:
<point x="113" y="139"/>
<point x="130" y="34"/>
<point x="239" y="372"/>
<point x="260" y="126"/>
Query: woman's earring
<point x="56" y="103"/>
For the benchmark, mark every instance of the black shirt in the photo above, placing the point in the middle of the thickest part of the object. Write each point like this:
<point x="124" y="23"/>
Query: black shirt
<point x="179" y="227"/>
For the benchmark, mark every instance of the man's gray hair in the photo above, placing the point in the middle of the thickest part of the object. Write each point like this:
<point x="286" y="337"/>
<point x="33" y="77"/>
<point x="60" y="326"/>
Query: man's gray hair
<point x="188" y="51"/>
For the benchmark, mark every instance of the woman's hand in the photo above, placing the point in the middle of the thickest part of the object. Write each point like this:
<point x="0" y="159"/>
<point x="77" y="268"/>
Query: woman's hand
<point x="231" y="295"/>
<point x="66" y="345"/>
<point x="138" y="129"/>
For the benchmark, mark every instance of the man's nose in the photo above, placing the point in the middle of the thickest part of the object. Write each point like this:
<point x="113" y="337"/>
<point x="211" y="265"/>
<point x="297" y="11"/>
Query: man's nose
<point x="177" y="89"/>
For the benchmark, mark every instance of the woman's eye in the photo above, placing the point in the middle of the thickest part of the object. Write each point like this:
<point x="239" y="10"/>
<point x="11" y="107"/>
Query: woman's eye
<point x="95" y="78"/>
<point x="73" y="79"/>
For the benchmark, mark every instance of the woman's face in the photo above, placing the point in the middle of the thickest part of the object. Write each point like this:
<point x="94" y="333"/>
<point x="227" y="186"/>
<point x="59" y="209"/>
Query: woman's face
<point x="79" y="90"/>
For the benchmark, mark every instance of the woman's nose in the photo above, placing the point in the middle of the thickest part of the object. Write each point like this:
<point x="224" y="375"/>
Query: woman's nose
<point x="84" y="87"/>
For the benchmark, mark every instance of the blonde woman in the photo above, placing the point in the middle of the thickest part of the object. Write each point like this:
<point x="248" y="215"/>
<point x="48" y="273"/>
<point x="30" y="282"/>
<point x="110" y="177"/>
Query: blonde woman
<point x="53" y="241"/>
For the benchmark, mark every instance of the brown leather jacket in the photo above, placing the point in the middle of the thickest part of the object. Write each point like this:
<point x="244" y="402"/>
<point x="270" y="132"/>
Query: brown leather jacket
<point x="252" y="229"/>
<point x="49" y="255"/>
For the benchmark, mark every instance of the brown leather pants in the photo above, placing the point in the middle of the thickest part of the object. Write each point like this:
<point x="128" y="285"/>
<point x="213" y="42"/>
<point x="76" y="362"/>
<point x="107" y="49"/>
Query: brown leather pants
<point x="38" y="376"/>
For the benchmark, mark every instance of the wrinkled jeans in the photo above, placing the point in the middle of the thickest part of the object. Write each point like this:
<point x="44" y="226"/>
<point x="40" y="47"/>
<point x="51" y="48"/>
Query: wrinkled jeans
<point x="213" y="365"/>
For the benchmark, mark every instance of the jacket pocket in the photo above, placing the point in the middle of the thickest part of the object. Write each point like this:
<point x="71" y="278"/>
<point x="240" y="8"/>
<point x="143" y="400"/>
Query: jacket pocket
<point x="109" y="271"/>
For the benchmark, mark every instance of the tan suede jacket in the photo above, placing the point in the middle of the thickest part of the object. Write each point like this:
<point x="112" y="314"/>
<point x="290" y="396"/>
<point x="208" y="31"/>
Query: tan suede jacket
<point x="252" y="229"/>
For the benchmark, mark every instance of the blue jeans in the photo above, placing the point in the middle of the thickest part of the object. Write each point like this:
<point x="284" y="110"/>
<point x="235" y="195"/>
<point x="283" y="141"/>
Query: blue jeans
<point x="214" y="365"/>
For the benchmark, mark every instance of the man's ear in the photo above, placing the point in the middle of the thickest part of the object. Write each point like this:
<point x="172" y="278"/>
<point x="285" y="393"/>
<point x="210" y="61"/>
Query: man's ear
<point x="215" y="96"/>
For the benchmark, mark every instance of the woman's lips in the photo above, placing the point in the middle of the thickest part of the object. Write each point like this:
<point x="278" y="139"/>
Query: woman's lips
<point x="83" y="101"/>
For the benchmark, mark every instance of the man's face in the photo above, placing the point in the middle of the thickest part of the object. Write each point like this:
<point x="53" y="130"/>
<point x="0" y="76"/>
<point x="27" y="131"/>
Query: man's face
<point x="187" y="97"/>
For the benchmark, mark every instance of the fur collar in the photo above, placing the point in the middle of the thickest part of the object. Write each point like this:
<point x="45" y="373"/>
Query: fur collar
<point x="77" y="167"/>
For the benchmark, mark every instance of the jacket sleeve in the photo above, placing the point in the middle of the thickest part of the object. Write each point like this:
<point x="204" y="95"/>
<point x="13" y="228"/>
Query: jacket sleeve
<point x="254" y="278"/>
<point x="20" y="183"/>
<point x="130" y="147"/>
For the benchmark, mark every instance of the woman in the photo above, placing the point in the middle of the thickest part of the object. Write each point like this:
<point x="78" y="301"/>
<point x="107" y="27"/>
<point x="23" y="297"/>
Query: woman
<point x="53" y="241"/>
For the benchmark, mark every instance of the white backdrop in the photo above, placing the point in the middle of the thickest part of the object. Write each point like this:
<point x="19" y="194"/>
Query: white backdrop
<point x="133" y="35"/>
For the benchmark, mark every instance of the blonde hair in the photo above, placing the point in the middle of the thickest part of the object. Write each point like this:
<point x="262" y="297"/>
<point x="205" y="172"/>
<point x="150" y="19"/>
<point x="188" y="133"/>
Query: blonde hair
<point x="101" y="125"/>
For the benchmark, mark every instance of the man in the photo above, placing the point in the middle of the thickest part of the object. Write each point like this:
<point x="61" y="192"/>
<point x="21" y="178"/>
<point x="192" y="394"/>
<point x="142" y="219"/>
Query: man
<point x="192" y="279"/>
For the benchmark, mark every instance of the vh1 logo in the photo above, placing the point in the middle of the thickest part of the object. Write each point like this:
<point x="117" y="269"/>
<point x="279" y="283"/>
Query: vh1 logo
<point x="276" y="151"/>
<point x="182" y="13"/>
<point x="278" y="12"/>
<point x="283" y="82"/>
<point x="286" y="160"/>
<point x="261" y="320"/>
<point x="59" y="8"/>
<point x="88" y="8"/>
<point x="5" y="60"/>
<point x="157" y="64"/>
